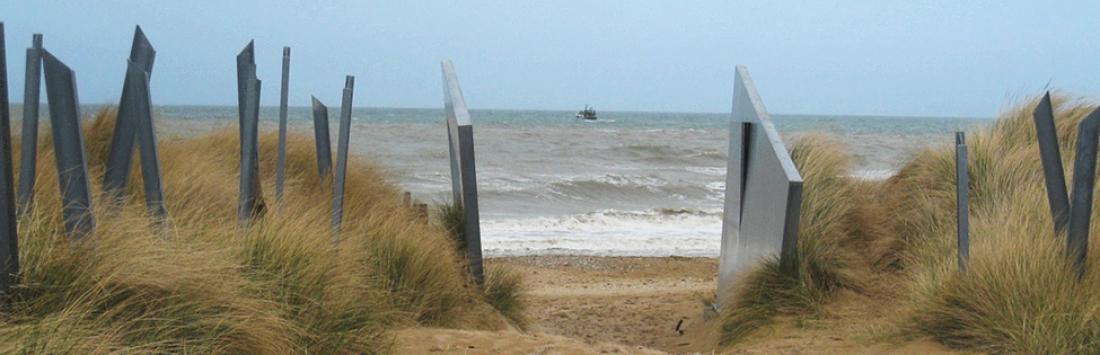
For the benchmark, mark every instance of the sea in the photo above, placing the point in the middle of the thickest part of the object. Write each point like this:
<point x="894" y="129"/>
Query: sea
<point x="628" y="184"/>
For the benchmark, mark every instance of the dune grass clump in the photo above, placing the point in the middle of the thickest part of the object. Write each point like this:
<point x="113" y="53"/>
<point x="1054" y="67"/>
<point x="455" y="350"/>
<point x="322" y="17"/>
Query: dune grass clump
<point x="828" y="258"/>
<point x="503" y="288"/>
<point x="1020" y="294"/>
<point x="201" y="283"/>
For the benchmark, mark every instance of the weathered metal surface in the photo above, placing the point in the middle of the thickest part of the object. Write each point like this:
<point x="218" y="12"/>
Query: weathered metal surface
<point x="141" y="104"/>
<point x="321" y="139"/>
<point x="250" y="202"/>
<point x="130" y="114"/>
<point x="9" y="239"/>
<point x="962" y="201"/>
<point x="68" y="142"/>
<point x="1053" y="173"/>
<point x="28" y="153"/>
<point x="1084" y="180"/>
<point x="280" y="166"/>
<point x="342" y="153"/>
<point x="460" y="134"/>
<point x="764" y="191"/>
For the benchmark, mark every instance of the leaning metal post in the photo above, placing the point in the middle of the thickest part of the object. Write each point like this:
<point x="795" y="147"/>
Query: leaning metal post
<point x="28" y="152"/>
<point x="68" y="142"/>
<point x="1084" y="179"/>
<point x="1051" y="155"/>
<point x="342" y="155"/>
<point x="9" y="239"/>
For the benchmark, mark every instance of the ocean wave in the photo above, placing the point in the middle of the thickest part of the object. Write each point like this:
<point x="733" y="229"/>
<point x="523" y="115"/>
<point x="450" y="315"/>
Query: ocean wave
<point x="668" y="153"/>
<point x="656" y="232"/>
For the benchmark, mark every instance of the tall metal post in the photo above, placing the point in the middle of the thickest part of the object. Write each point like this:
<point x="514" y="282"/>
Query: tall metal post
<point x="342" y="154"/>
<point x="1084" y="180"/>
<point x="321" y="139"/>
<point x="1051" y="157"/>
<point x="9" y="239"/>
<point x="250" y="202"/>
<point x="962" y="202"/>
<point x="120" y="157"/>
<point x="68" y="142"/>
<point x="280" y="168"/>
<point x="460" y="134"/>
<point x="28" y="153"/>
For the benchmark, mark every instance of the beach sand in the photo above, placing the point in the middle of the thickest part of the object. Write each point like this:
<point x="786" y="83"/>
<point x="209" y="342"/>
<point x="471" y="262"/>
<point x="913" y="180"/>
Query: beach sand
<point x="580" y="304"/>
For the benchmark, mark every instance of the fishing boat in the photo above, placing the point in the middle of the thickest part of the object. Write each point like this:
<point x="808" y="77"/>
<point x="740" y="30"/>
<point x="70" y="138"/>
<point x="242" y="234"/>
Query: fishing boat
<point x="588" y="114"/>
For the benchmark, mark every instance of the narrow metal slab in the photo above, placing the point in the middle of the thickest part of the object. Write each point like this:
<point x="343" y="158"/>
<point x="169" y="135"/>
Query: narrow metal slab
<point x="249" y="200"/>
<point x="68" y="141"/>
<point x="962" y="201"/>
<point x="280" y="166"/>
<point x="321" y="139"/>
<point x="460" y="134"/>
<point x="120" y="156"/>
<point x="342" y="154"/>
<point x="28" y="152"/>
<point x="1051" y="156"/>
<point x="1084" y="180"/>
<point x="9" y="238"/>
<point x="761" y="221"/>
<point x="141" y="104"/>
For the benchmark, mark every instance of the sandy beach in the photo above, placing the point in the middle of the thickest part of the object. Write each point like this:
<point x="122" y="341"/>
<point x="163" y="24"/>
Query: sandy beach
<point x="580" y="304"/>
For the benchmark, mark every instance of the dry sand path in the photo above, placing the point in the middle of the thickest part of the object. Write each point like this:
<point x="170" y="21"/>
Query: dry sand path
<point x="599" y="305"/>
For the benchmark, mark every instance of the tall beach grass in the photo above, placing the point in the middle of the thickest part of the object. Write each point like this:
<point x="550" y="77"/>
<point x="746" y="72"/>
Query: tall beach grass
<point x="202" y="284"/>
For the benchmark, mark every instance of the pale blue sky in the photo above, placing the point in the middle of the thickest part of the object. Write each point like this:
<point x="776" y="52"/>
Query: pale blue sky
<point x="940" y="58"/>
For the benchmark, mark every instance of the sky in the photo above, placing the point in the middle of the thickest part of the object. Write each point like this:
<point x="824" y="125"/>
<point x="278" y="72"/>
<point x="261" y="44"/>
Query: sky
<point x="866" y="57"/>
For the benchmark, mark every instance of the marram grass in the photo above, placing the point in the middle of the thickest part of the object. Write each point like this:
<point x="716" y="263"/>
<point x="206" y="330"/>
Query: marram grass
<point x="202" y="284"/>
<point x="1020" y="294"/>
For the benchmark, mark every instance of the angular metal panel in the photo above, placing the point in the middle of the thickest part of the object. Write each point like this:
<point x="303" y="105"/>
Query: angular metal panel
<point x="280" y="166"/>
<point x="321" y="139"/>
<point x="962" y="201"/>
<point x="1084" y="180"/>
<point x="454" y="115"/>
<point x="342" y="154"/>
<point x="68" y="141"/>
<point x="762" y="220"/>
<point x="250" y="203"/>
<point x="120" y="156"/>
<point x="28" y="153"/>
<point x="460" y="134"/>
<point x="9" y="239"/>
<point x="141" y="104"/>
<point x="1051" y="156"/>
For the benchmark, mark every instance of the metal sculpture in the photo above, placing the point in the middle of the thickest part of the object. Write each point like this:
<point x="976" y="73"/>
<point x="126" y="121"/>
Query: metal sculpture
<point x="342" y="154"/>
<point x="460" y="135"/>
<point x="763" y="191"/>
<point x="28" y="152"/>
<point x="68" y="142"/>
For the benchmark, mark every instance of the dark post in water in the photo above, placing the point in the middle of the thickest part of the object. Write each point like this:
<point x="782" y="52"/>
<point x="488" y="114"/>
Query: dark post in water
<point x="68" y="143"/>
<point x="280" y="167"/>
<point x="962" y="202"/>
<point x="28" y="153"/>
<point x="135" y="122"/>
<point x="250" y="203"/>
<point x="342" y="155"/>
<point x="1051" y="155"/>
<point x="460" y="134"/>
<point x="9" y="239"/>
<point x="1084" y="179"/>
<point x="321" y="138"/>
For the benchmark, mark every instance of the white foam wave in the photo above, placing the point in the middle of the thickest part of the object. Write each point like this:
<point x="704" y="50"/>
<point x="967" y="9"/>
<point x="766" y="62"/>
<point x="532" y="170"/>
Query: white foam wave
<point x="663" y="232"/>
